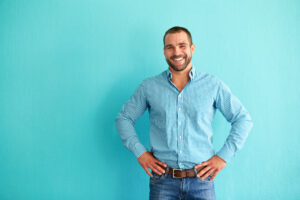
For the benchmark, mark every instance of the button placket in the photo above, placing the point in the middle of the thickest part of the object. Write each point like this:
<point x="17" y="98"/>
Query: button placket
<point x="180" y="129"/>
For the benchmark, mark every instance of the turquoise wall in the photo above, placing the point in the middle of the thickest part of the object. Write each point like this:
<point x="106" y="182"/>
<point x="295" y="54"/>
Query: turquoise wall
<point x="66" y="68"/>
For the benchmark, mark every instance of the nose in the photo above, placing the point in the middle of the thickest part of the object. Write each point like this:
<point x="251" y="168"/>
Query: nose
<point x="176" y="51"/>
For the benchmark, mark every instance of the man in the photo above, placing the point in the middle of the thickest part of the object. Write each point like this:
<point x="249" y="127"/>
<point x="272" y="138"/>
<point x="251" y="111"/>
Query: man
<point x="182" y="102"/>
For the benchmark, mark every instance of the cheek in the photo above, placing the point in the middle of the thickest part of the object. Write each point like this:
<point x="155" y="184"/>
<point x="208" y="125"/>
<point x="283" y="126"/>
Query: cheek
<point x="189" y="53"/>
<point x="168" y="54"/>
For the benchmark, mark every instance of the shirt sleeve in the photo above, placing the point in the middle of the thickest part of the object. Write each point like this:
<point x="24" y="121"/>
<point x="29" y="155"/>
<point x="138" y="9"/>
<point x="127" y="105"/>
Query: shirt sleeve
<point x="241" y="122"/>
<point x="125" y="121"/>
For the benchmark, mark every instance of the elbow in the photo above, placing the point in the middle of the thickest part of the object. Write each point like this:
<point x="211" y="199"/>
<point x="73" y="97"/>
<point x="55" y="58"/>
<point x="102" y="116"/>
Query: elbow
<point x="118" y="119"/>
<point x="123" y="120"/>
<point x="243" y="122"/>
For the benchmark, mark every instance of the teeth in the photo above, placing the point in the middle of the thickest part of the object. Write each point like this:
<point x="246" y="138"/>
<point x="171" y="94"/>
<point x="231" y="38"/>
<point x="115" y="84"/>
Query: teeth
<point x="178" y="59"/>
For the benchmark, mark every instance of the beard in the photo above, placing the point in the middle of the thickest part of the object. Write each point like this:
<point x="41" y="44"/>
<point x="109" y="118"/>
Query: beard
<point x="179" y="67"/>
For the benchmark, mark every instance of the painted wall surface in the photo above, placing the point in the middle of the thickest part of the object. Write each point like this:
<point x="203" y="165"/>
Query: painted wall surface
<point x="67" y="67"/>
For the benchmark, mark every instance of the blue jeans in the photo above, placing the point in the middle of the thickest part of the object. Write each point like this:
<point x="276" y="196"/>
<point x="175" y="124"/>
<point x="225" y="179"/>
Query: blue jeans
<point x="165" y="187"/>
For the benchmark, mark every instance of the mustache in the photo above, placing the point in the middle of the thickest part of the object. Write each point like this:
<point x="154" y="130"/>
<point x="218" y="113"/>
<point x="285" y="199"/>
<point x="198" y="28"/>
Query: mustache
<point x="174" y="57"/>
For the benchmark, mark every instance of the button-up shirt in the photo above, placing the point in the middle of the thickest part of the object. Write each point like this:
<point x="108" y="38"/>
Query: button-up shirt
<point x="181" y="121"/>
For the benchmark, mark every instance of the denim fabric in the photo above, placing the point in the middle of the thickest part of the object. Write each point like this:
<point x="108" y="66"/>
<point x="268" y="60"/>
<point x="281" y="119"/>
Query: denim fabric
<point x="165" y="187"/>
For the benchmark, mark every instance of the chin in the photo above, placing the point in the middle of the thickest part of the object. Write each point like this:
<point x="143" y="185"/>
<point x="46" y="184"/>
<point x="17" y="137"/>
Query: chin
<point x="179" y="68"/>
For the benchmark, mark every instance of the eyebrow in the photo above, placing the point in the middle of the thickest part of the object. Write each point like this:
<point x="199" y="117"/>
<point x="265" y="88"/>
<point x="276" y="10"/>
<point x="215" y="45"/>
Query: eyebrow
<point x="170" y="45"/>
<point x="182" y="43"/>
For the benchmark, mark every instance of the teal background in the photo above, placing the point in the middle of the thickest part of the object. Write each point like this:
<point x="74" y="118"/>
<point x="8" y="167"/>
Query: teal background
<point x="66" y="68"/>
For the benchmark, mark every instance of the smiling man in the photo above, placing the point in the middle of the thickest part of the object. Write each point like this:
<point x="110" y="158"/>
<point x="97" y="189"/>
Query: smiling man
<point x="182" y="102"/>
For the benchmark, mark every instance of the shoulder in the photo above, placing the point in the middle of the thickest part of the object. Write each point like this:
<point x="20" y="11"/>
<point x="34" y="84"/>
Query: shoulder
<point x="211" y="83"/>
<point x="207" y="78"/>
<point x="153" y="80"/>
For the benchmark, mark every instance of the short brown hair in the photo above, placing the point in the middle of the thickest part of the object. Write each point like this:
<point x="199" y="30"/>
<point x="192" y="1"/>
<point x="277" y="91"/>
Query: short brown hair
<point x="177" y="29"/>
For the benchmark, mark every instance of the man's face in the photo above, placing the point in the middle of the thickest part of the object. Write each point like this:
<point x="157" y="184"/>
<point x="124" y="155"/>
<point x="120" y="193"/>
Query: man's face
<point x="178" y="51"/>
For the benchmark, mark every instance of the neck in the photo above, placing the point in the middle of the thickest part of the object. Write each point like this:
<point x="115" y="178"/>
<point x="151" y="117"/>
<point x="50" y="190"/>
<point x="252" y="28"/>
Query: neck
<point x="181" y="76"/>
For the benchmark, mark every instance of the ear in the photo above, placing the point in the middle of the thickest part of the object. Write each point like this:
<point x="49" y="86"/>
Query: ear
<point x="193" y="48"/>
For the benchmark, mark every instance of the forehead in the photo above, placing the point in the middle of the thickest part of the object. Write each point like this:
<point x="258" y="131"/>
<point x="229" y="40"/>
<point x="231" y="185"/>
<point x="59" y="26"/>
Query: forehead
<point x="176" y="38"/>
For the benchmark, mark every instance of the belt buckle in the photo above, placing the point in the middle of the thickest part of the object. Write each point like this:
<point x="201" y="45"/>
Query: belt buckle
<point x="174" y="173"/>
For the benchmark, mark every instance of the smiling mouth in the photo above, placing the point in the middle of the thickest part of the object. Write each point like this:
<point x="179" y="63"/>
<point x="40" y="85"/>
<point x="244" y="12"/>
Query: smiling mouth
<point x="178" y="59"/>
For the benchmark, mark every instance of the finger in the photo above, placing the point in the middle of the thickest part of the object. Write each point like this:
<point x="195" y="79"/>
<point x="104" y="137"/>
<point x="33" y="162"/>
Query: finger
<point x="148" y="172"/>
<point x="199" y="168"/>
<point x="157" y="169"/>
<point x="209" y="172"/>
<point x="203" y="164"/>
<point x="203" y="171"/>
<point x="161" y="163"/>
<point x="161" y="169"/>
<point x="213" y="176"/>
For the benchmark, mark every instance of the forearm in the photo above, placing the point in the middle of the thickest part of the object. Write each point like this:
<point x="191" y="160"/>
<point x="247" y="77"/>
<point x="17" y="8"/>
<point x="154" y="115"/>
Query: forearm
<point x="126" y="130"/>
<point x="240" y="129"/>
<point x="126" y="119"/>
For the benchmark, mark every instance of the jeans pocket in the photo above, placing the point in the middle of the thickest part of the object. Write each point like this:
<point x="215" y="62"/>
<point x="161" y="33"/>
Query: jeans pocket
<point x="156" y="178"/>
<point x="206" y="180"/>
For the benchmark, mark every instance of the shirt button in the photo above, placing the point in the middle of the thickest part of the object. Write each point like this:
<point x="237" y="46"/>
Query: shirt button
<point x="179" y="109"/>
<point x="180" y="137"/>
<point x="179" y="123"/>
<point x="180" y="151"/>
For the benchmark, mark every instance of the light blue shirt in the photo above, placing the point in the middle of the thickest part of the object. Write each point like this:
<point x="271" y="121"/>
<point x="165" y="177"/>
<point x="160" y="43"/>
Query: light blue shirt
<point x="181" y="122"/>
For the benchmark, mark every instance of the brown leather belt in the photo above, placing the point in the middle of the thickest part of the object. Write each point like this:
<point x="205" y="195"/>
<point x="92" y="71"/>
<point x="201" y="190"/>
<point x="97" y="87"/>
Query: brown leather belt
<point x="179" y="173"/>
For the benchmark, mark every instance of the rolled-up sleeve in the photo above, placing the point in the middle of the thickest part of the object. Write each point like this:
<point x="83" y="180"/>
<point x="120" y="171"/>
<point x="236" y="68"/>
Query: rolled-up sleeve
<point x="241" y="122"/>
<point x="125" y="121"/>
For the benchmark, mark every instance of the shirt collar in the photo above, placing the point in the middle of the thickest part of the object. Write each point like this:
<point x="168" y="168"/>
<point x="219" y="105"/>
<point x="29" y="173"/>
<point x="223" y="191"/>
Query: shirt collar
<point x="192" y="73"/>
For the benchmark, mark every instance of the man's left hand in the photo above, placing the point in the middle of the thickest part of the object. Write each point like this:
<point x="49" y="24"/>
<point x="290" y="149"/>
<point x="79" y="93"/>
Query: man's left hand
<point x="210" y="167"/>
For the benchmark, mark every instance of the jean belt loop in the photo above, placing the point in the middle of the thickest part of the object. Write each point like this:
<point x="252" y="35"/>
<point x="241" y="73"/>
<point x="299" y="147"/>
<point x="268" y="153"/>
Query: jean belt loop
<point x="167" y="171"/>
<point x="195" y="171"/>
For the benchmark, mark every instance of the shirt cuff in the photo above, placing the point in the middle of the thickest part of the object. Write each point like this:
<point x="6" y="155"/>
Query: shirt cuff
<point x="139" y="149"/>
<point x="225" y="153"/>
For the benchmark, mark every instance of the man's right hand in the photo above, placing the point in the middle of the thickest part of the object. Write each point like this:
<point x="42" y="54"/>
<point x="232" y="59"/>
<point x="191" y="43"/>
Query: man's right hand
<point x="147" y="160"/>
